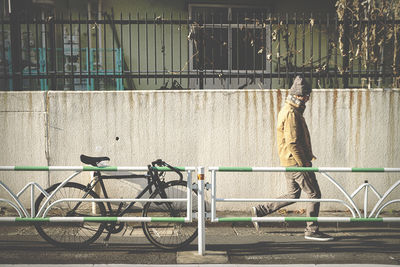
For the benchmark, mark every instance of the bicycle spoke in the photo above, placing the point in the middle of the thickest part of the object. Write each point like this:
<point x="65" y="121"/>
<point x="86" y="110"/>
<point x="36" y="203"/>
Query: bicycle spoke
<point x="170" y="235"/>
<point x="73" y="234"/>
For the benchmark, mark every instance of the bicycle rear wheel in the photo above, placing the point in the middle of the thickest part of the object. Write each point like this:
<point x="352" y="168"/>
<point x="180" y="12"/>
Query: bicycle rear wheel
<point x="71" y="234"/>
<point x="169" y="235"/>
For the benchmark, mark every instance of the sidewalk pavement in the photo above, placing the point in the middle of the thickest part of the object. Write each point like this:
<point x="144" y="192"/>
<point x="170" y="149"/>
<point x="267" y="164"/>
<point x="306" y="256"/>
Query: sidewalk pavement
<point x="230" y="244"/>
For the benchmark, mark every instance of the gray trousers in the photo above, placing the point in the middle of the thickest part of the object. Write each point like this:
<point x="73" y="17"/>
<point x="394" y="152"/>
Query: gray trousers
<point x="297" y="181"/>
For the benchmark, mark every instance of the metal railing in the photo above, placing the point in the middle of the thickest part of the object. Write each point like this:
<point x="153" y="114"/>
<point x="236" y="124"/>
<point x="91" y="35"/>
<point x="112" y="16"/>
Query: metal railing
<point x="201" y="191"/>
<point x="43" y="210"/>
<point x="142" y="51"/>
<point x="350" y="204"/>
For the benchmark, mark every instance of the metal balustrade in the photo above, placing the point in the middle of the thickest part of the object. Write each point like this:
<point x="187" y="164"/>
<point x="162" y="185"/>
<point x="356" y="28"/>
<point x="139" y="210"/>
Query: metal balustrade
<point x="201" y="188"/>
<point x="42" y="212"/>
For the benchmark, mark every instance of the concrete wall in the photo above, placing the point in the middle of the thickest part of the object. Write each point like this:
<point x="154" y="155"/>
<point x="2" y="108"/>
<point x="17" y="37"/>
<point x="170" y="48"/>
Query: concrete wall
<point x="349" y="128"/>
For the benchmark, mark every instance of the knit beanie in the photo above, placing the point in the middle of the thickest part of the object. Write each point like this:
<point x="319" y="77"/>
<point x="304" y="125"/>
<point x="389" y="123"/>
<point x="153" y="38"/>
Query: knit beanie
<point x="300" y="87"/>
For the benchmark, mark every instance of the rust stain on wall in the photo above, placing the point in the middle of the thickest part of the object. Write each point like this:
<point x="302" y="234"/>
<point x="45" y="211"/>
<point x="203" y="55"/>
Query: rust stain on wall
<point x="334" y="111"/>
<point x="358" y="123"/>
<point x="272" y="113"/>
<point x="279" y="99"/>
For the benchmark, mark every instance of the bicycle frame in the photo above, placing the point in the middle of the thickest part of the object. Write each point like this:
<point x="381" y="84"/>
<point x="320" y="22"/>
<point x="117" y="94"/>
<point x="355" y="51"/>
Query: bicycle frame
<point x="154" y="180"/>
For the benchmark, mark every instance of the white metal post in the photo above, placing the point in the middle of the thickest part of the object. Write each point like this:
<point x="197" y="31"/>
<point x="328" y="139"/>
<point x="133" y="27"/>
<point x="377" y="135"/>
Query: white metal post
<point x="213" y="194"/>
<point x="189" y="196"/>
<point x="33" y="201"/>
<point x="201" y="214"/>
<point x="366" y="199"/>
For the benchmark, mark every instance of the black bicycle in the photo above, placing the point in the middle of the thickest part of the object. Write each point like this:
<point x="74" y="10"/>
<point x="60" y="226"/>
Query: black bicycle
<point x="77" y="234"/>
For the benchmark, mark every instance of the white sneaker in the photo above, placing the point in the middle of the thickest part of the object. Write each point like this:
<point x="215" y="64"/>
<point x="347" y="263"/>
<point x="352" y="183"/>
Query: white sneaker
<point x="254" y="214"/>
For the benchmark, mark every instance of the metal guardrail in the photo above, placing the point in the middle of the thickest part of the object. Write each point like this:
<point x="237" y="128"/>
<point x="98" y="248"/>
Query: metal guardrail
<point x="41" y="214"/>
<point x="357" y="217"/>
<point x="201" y="187"/>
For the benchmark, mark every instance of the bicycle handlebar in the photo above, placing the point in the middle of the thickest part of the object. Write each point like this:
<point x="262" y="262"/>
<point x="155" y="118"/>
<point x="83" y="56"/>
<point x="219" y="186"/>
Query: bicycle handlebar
<point x="161" y="163"/>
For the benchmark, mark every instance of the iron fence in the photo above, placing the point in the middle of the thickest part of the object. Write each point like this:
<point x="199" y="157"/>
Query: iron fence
<point x="199" y="51"/>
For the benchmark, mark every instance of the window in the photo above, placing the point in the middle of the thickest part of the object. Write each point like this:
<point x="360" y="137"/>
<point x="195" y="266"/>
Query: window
<point x="232" y="38"/>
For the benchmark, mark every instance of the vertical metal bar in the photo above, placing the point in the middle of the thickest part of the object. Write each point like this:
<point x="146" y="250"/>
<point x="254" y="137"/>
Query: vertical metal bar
<point x="38" y="58"/>
<point x="247" y="44"/>
<point x="366" y="199"/>
<point x="394" y="49"/>
<point x="311" y="51"/>
<point x="29" y="53"/>
<point x="163" y="47"/>
<point x="201" y="212"/>
<point x="54" y="47"/>
<point x="44" y="47"/>
<point x="105" y="48"/>
<point x="303" y="45"/>
<point x="88" y="52"/>
<point x="188" y="53"/>
<point x="229" y="45"/>
<point x="263" y="44"/>
<point x="237" y="47"/>
<point x="319" y="47"/>
<point x="32" y="199"/>
<point x="254" y="47"/>
<point x="376" y="61"/>
<point x="203" y="50"/>
<point x="287" y="49"/>
<point x="138" y="46"/>
<point x="130" y="44"/>
<point x="180" y="48"/>
<point x="197" y="49"/>
<point x="4" y="56"/>
<point x="155" y="50"/>
<point x="336" y="51"/>
<point x="352" y="49"/>
<point x="97" y="54"/>
<point x="382" y="66"/>
<point x="122" y="44"/>
<point x="113" y="41"/>
<point x="15" y="54"/>
<point x="270" y="50"/>
<point x="172" y="50"/>
<point x="327" y="49"/>
<point x="71" y="53"/>
<point x="147" y="49"/>
<point x="295" y="44"/>
<point x="360" y="25"/>
<point x="189" y="204"/>
<point x="213" y="195"/>
<point x="367" y="58"/>
<point x="279" y="50"/>
<point x="121" y="71"/>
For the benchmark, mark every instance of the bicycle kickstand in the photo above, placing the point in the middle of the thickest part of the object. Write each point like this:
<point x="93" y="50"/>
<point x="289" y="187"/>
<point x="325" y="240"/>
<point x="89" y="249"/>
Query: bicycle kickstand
<point x="107" y="239"/>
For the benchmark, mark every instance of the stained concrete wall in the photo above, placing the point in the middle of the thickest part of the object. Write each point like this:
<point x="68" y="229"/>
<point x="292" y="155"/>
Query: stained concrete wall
<point x="349" y="128"/>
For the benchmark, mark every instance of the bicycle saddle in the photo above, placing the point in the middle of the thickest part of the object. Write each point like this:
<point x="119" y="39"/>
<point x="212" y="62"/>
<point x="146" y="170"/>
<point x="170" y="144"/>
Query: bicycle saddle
<point x="93" y="160"/>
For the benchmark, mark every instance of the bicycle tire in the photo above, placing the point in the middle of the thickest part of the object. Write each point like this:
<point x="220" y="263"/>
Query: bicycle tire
<point x="72" y="235"/>
<point x="170" y="235"/>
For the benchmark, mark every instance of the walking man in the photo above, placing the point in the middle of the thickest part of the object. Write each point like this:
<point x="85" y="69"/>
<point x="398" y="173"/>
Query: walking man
<point x="294" y="148"/>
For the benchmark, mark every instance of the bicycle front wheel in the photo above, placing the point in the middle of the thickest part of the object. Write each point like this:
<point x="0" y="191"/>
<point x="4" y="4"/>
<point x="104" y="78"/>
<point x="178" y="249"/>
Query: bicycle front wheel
<point x="71" y="234"/>
<point x="169" y="235"/>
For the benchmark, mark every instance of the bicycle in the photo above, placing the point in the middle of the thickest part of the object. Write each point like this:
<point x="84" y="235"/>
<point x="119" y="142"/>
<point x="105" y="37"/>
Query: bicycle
<point x="76" y="235"/>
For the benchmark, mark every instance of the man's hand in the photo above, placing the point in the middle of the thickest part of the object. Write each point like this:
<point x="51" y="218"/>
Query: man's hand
<point x="308" y="164"/>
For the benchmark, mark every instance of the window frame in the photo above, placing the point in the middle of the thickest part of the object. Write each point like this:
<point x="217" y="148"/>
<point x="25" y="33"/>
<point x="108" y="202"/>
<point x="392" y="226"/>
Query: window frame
<point x="230" y="26"/>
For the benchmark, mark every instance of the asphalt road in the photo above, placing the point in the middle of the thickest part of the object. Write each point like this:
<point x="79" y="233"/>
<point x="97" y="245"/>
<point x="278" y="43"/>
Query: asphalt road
<point x="229" y="243"/>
